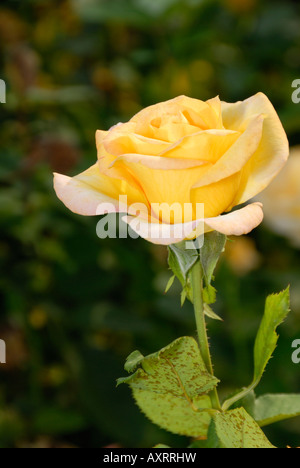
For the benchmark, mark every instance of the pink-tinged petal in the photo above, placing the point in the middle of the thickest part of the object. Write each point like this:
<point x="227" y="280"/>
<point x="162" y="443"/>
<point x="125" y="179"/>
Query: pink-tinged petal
<point x="82" y="198"/>
<point x="237" y="222"/>
<point x="162" y="233"/>
<point x="93" y="193"/>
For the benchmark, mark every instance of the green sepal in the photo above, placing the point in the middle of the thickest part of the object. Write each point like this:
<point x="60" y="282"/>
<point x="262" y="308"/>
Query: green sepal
<point x="214" y="245"/>
<point x="181" y="261"/>
<point x="211" y="314"/>
<point x="170" y="283"/>
<point x="209" y="294"/>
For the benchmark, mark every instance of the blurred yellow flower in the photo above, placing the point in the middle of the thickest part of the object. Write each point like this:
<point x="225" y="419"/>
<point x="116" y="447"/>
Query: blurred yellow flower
<point x="282" y="200"/>
<point x="38" y="318"/>
<point x="184" y="152"/>
<point x="240" y="6"/>
<point x="242" y="255"/>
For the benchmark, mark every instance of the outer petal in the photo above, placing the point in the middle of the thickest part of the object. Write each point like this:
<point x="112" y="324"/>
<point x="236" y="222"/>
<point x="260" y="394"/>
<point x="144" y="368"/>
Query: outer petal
<point x="162" y="233"/>
<point x="92" y="193"/>
<point x="273" y="150"/>
<point x="236" y="223"/>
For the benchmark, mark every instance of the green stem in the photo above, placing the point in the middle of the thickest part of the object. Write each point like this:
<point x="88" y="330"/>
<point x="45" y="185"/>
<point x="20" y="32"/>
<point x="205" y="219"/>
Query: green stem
<point x="226" y="405"/>
<point x="197" y="287"/>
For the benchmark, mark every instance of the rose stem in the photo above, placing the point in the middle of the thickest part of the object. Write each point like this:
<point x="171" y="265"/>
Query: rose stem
<point x="197" y="285"/>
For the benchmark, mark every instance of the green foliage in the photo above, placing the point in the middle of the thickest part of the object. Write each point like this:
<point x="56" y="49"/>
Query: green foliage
<point x="236" y="429"/>
<point x="171" y="388"/>
<point x="213" y="247"/>
<point x="276" y="310"/>
<point x="269" y="409"/>
<point x="133" y="360"/>
<point x="54" y="421"/>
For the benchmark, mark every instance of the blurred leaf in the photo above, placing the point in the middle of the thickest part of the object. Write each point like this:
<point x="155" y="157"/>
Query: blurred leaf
<point x="56" y="421"/>
<point x="117" y="10"/>
<point x="12" y="428"/>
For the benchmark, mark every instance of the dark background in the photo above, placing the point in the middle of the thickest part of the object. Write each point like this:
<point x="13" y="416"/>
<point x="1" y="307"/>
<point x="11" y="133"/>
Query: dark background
<point x="74" y="306"/>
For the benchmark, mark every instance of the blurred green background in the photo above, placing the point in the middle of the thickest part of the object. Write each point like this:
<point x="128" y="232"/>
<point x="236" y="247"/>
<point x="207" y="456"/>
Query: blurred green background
<point x="74" y="306"/>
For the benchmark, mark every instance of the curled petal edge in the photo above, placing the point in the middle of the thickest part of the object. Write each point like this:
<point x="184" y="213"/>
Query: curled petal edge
<point x="81" y="198"/>
<point x="236" y="223"/>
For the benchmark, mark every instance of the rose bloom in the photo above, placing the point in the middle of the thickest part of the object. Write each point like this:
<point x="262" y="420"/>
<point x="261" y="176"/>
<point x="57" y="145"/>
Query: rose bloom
<point x="183" y="151"/>
<point x="282" y="200"/>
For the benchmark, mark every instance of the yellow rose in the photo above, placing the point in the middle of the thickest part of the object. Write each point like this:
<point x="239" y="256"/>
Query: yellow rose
<point x="282" y="200"/>
<point x="184" y="151"/>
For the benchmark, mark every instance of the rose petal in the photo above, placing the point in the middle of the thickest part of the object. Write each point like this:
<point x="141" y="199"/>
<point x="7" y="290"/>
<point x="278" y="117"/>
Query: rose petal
<point x="237" y="155"/>
<point x="237" y="223"/>
<point x="118" y="143"/>
<point x="273" y="150"/>
<point x="162" y="233"/>
<point x="200" y="114"/>
<point x="158" y="162"/>
<point x="92" y="193"/>
<point x="161" y="185"/>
